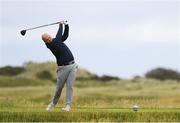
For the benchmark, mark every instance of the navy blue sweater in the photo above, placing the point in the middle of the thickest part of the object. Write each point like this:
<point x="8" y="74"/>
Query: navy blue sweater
<point x="59" y="49"/>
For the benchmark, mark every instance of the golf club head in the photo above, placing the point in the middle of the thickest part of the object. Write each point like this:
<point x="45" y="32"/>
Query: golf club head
<point x="23" y="32"/>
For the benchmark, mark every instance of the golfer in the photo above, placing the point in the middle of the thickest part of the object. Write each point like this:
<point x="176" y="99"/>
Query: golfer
<point x="66" y="67"/>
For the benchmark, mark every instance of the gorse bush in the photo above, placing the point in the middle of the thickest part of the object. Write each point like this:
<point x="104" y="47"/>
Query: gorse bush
<point x="108" y="78"/>
<point x="103" y="78"/>
<point x="163" y="74"/>
<point x="11" y="71"/>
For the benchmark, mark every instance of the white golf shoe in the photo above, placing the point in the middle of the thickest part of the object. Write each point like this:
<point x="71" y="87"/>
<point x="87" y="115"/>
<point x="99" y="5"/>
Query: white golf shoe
<point x="67" y="108"/>
<point x="50" y="107"/>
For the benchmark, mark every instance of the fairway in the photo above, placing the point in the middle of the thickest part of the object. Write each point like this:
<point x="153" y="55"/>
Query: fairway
<point x="95" y="101"/>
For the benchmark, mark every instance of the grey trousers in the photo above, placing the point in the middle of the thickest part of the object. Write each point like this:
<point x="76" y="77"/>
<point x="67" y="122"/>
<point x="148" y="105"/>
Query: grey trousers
<point x="65" y="74"/>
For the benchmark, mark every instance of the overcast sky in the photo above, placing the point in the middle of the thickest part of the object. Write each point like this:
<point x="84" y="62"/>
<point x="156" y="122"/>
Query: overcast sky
<point x="115" y="37"/>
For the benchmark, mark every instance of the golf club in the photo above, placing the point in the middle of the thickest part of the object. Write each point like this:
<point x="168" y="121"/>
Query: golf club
<point x="23" y="32"/>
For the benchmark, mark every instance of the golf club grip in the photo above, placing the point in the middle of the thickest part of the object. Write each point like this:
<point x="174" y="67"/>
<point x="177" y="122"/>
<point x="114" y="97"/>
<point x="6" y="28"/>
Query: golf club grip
<point x="44" y="25"/>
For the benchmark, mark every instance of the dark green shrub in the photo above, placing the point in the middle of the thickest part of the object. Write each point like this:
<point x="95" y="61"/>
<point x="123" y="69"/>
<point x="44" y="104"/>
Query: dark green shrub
<point x="108" y="78"/>
<point x="163" y="74"/>
<point x="98" y="78"/>
<point x="105" y="78"/>
<point x="11" y="71"/>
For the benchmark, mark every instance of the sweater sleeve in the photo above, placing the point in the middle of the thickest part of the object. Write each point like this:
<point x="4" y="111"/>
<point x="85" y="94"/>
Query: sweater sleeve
<point x="59" y="33"/>
<point x="66" y="33"/>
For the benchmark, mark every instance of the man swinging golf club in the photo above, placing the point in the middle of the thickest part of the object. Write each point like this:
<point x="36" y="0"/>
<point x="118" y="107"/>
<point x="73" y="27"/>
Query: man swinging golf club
<point x="66" y="67"/>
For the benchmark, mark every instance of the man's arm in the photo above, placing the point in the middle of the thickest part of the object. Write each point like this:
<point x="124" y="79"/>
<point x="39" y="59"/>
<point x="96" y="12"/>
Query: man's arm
<point x="59" y="33"/>
<point x="66" y="33"/>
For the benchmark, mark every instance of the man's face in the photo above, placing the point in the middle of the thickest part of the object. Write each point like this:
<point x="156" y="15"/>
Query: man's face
<point x="46" y="38"/>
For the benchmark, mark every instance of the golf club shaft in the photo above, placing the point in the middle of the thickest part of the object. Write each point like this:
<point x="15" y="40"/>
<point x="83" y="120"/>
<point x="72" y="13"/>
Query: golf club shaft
<point x="44" y="25"/>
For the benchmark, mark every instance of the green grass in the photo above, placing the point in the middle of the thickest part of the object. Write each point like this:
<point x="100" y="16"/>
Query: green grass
<point x="96" y="101"/>
<point x="91" y="114"/>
